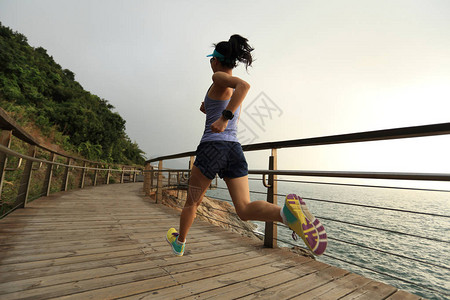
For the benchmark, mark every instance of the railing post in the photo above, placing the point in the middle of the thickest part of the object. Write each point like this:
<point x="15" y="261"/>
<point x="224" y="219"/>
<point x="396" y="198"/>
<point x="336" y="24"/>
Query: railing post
<point x="152" y="176"/>
<point x="178" y="184"/>
<point x="66" y="175"/>
<point x="5" y="140"/>
<point x="26" y="179"/>
<point x="159" y="183"/>
<point x="168" y="179"/>
<point x="95" y="175"/>
<point x="83" y="175"/>
<point x="134" y="174"/>
<point x="48" y="176"/>
<point x="191" y="162"/>
<point x="270" y="238"/>
<point x="147" y="179"/>
<point x="122" y="175"/>
<point x="108" y="174"/>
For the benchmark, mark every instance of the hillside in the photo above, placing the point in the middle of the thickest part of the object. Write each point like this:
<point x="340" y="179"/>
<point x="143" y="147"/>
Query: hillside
<point x="36" y="90"/>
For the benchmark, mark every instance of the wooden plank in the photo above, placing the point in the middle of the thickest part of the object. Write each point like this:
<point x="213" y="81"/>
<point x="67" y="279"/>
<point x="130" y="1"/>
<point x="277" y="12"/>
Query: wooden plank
<point x="69" y="236"/>
<point x="15" y="243"/>
<point x="335" y="289"/>
<point x="246" y="287"/>
<point x="12" y="250"/>
<point x="66" y="254"/>
<point x="402" y="295"/>
<point x="372" y="290"/>
<point x="88" y="273"/>
<point x="306" y="281"/>
<point x="173" y="292"/>
<point x="64" y="261"/>
<point x="61" y="269"/>
<point x="103" y="287"/>
<point x="239" y="257"/>
<point x="235" y="274"/>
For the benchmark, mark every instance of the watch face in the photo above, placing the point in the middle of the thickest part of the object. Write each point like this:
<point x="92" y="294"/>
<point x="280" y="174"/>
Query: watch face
<point x="227" y="114"/>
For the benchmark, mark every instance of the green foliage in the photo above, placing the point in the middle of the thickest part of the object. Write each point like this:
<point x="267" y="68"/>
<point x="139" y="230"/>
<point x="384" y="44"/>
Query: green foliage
<point x="34" y="86"/>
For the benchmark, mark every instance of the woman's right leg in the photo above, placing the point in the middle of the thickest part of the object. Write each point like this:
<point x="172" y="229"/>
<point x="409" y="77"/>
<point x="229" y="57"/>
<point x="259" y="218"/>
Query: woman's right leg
<point x="247" y="210"/>
<point x="198" y="184"/>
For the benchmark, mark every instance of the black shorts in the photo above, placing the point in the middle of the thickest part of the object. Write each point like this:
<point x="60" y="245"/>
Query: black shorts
<point x="219" y="157"/>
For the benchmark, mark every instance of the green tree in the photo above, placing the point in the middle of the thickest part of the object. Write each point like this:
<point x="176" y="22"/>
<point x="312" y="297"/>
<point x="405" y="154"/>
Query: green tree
<point x="32" y="82"/>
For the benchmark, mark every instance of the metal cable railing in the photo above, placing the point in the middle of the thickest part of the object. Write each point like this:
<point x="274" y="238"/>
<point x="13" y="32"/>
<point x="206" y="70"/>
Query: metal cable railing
<point x="385" y="230"/>
<point x="359" y="185"/>
<point x="378" y="207"/>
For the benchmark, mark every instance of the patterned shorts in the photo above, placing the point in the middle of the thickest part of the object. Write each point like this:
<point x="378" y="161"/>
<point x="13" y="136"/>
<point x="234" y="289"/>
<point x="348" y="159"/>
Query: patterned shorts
<point x="219" y="157"/>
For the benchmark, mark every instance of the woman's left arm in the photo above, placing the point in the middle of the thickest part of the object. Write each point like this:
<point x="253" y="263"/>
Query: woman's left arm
<point x="240" y="87"/>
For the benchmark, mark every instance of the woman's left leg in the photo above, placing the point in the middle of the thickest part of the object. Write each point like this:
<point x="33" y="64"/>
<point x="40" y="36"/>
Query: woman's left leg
<point x="246" y="210"/>
<point x="198" y="184"/>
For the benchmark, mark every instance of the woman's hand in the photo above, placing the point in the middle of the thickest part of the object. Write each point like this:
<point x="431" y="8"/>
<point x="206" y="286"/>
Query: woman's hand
<point x="220" y="125"/>
<point x="202" y="108"/>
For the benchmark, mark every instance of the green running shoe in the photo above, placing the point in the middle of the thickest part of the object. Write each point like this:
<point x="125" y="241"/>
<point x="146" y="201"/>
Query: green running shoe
<point x="172" y="239"/>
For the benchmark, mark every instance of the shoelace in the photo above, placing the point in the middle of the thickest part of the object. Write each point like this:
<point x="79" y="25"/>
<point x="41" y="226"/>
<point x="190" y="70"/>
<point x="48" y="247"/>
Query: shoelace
<point x="294" y="236"/>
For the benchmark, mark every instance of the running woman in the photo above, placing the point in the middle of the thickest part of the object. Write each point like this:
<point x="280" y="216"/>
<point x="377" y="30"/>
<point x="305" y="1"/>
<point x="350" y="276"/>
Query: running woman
<point x="220" y="152"/>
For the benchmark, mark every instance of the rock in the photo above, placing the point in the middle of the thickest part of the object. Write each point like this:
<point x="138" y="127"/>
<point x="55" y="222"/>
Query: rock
<point x="216" y="212"/>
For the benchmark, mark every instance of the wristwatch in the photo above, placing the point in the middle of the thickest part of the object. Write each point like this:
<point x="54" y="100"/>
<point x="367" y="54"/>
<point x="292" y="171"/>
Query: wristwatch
<point x="227" y="114"/>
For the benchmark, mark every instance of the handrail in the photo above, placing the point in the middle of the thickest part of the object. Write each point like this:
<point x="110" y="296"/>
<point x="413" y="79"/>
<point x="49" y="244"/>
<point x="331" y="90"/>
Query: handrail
<point x="350" y="174"/>
<point x="368" y="136"/>
<point x="174" y="156"/>
<point x="34" y="159"/>
<point x="7" y="123"/>
<point x="341" y="174"/>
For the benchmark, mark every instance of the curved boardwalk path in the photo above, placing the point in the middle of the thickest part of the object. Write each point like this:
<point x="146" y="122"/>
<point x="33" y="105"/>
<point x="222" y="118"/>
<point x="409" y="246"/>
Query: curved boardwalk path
<point x="108" y="242"/>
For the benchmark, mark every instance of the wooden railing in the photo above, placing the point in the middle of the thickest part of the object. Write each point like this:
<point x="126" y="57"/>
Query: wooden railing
<point x="45" y="170"/>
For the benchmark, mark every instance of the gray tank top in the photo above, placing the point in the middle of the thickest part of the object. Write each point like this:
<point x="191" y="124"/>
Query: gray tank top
<point x="214" y="110"/>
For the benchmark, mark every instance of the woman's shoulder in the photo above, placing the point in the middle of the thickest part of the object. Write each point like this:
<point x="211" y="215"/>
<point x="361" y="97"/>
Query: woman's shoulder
<point x="219" y="93"/>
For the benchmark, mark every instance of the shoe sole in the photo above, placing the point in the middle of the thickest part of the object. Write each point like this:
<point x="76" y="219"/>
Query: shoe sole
<point x="306" y="225"/>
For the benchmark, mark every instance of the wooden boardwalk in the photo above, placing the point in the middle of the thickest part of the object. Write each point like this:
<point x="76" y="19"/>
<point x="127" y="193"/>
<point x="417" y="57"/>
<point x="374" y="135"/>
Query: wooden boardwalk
<point x="108" y="242"/>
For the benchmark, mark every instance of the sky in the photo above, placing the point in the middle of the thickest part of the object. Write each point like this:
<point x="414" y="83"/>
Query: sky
<point x="321" y="68"/>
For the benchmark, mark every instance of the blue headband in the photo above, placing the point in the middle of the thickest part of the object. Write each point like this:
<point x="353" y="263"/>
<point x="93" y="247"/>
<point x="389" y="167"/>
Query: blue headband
<point x="221" y="57"/>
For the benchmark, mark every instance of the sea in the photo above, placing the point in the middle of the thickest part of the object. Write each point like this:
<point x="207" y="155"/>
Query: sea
<point x="408" y="262"/>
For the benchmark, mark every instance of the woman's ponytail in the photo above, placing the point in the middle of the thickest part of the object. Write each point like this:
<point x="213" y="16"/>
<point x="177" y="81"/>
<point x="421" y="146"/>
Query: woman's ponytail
<point x="241" y="49"/>
<point x="235" y="50"/>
